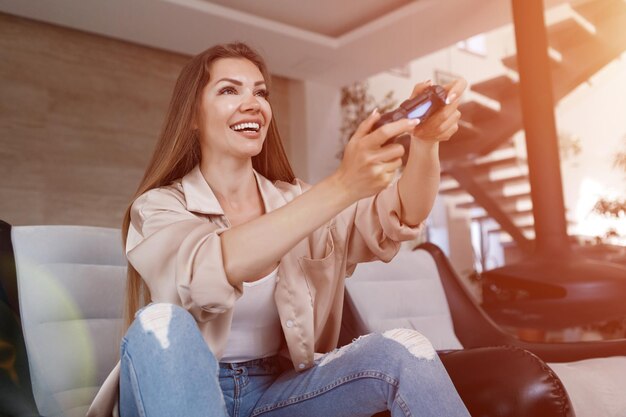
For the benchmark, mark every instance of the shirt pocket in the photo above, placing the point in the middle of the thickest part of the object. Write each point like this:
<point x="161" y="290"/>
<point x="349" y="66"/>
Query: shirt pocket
<point x="321" y="276"/>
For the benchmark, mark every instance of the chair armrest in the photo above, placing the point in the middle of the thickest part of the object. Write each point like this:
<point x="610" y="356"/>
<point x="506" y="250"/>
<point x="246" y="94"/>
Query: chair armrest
<point x="8" y="275"/>
<point x="506" y="381"/>
<point x="16" y="396"/>
<point x="474" y="328"/>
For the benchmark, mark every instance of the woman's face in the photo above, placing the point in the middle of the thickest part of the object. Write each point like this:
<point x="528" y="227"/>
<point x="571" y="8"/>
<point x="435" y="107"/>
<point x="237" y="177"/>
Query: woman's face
<point x="234" y="111"/>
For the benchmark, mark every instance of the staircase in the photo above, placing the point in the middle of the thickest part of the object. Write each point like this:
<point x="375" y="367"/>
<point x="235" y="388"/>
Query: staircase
<point x="482" y="161"/>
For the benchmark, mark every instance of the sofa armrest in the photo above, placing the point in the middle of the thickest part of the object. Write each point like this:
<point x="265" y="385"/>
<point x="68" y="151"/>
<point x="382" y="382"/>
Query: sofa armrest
<point x="506" y="381"/>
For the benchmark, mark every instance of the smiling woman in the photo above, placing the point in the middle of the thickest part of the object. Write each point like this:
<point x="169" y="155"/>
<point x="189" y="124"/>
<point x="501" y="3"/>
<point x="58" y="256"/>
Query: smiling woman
<point x="236" y="268"/>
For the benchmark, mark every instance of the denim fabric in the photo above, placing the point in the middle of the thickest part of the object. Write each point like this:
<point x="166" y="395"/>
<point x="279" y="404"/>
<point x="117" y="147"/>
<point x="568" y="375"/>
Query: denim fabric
<point x="244" y="383"/>
<point x="168" y="370"/>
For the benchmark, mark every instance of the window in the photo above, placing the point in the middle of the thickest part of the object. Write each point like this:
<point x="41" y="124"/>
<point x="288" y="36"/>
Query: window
<point x="476" y="45"/>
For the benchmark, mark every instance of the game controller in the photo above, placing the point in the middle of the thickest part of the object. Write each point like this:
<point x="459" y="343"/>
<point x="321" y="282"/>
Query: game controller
<point x="420" y="107"/>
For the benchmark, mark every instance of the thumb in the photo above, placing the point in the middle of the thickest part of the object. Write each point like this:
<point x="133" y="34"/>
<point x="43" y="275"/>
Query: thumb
<point x="419" y="87"/>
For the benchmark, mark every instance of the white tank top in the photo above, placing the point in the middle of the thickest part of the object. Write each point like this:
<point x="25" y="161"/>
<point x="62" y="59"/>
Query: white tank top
<point x="255" y="331"/>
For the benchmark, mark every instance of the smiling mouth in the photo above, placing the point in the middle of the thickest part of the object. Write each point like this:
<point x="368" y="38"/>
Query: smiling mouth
<point x="246" y="127"/>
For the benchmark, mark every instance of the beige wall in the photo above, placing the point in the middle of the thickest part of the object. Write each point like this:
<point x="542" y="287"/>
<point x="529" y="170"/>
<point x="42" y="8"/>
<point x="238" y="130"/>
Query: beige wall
<point x="79" y="116"/>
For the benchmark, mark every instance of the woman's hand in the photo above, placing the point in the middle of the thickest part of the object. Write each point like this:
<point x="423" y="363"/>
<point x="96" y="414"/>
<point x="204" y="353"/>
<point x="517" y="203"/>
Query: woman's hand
<point x="368" y="165"/>
<point x="445" y="122"/>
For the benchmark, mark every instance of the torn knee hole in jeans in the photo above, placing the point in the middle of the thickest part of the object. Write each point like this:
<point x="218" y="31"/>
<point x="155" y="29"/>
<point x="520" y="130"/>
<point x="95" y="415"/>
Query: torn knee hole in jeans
<point x="156" y="319"/>
<point x="418" y="345"/>
<point x="331" y="356"/>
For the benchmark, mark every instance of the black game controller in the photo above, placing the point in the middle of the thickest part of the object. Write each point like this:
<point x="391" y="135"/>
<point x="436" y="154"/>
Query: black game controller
<point x="421" y="107"/>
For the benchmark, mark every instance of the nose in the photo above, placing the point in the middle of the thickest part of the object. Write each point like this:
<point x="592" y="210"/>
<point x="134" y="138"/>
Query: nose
<point x="250" y="104"/>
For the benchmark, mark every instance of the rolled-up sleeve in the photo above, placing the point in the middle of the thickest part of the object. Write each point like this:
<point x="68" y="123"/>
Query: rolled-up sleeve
<point x="377" y="228"/>
<point x="179" y="255"/>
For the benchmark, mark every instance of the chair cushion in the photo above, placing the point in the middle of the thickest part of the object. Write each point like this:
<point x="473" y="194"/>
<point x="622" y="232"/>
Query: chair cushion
<point x="595" y="386"/>
<point x="406" y="292"/>
<point x="71" y="291"/>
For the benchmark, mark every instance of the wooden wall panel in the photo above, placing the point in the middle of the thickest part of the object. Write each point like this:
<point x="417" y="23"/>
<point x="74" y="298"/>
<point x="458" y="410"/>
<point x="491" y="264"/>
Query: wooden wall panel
<point x="79" y="117"/>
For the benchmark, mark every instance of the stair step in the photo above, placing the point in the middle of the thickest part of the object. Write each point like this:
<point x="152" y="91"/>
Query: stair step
<point x="567" y="34"/>
<point x="499" y="183"/>
<point x="524" y="228"/>
<point x="465" y="140"/>
<point x="474" y="112"/>
<point x="488" y="185"/>
<point x="466" y="133"/>
<point x="511" y="63"/>
<point x="527" y="228"/>
<point x="598" y="12"/>
<point x="512" y="214"/>
<point x="514" y="179"/>
<point x="497" y="88"/>
<point x="589" y="55"/>
<point x="483" y="168"/>
<point x="452" y="191"/>
<point x="487" y="166"/>
<point x="502" y="200"/>
<point x="509" y="144"/>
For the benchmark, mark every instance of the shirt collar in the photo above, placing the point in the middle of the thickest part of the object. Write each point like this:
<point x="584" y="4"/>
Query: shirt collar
<point x="201" y="199"/>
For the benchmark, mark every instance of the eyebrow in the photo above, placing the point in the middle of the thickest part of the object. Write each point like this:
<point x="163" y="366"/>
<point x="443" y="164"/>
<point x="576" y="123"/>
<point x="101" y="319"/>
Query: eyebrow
<point x="237" y="82"/>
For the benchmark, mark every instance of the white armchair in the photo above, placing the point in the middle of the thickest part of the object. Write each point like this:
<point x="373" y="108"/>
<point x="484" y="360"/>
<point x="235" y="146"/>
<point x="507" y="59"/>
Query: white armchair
<point x="70" y="285"/>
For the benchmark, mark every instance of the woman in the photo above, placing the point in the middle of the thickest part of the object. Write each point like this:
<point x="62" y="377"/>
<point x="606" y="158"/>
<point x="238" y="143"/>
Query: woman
<point x="244" y="264"/>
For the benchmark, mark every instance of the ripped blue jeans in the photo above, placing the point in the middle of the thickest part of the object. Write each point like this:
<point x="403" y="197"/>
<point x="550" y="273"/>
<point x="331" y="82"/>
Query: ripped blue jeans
<point x="168" y="370"/>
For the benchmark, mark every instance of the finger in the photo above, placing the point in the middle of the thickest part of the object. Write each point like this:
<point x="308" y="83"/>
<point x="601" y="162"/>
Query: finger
<point x="381" y="135"/>
<point x="455" y="89"/>
<point x="442" y="115"/>
<point x="389" y="170"/>
<point x="450" y="132"/>
<point x="393" y="165"/>
<point x="419" y="87"/>
<point x="453" y="119"/>
<point x="366" y="125"/>
<point x="389" y="166"/>
<point x="387" y="177"/>
<point x="447" y="112"/>
<point x="437" y="131"/>
<point x="389" y="152"/>
<point x="447" y="134"/>
<point x="379" y="171"/>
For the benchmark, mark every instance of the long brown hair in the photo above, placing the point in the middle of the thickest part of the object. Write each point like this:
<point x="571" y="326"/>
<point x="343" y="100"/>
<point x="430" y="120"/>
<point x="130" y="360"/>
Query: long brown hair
<point x="177" y="151"/>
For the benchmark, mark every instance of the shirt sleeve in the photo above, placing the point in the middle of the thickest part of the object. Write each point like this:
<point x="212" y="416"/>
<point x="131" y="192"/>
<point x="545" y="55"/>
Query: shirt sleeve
<point x="377" y="229"/>
<point x="179" y="254"/>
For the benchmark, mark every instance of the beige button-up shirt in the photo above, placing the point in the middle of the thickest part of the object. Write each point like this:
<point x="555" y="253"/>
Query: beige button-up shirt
<point x="174" y="244"/>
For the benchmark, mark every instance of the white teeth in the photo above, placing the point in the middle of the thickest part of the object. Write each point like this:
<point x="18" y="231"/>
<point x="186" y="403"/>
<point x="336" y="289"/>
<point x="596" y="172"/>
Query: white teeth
<point x="242" y="126"/>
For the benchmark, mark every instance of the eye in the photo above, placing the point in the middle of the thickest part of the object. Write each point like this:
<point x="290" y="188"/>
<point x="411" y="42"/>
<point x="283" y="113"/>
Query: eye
<point x="262" y="93"/>
<point x="227" y="91"/>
